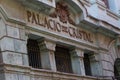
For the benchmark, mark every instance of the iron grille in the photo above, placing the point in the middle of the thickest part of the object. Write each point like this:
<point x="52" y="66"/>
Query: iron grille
<point x="63" y="60"/>
<point x="34" y="53"/>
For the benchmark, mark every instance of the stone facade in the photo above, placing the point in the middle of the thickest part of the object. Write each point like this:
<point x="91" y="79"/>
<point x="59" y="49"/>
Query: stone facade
<point x="83" y="26"/>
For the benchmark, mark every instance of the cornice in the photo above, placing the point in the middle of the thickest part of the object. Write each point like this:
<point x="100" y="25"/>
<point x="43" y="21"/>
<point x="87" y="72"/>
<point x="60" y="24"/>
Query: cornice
<point x="97" y="22"/>
<point x="112" y="14"/>
<point x="37" y="6"/>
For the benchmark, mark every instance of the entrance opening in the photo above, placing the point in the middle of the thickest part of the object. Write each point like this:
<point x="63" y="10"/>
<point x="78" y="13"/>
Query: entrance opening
<point x="63" y="59"/>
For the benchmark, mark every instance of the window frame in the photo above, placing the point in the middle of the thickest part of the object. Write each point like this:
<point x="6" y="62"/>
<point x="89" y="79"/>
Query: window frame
<point x="61" y="65"/>
<point x="34" y="57"/>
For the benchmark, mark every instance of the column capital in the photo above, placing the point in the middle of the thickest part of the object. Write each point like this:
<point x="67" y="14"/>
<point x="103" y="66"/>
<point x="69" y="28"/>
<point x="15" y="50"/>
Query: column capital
<point x="77" y="52"/>
<point x="47" y="48"/>
<point x="95" y="58"/>
<point x="46" y="44"/>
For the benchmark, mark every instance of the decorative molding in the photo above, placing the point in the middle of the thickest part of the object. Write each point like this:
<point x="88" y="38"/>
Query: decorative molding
<point x="77" y="52"/>
<point x="62" y="12"/>
<point x="46" y="44"/>
<point x="112" y="14"/>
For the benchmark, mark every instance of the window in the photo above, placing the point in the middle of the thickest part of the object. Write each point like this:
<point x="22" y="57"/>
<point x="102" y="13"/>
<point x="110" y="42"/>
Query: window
<point x="87" y="64"/>
<point x="63" y="60"/>
<point x="116" y="73"/>
<point x="34" y="53"/>
<point x="106" y="3"/>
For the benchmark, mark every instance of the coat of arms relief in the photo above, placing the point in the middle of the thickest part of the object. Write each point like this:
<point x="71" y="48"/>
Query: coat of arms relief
<point x="62" y="12"/>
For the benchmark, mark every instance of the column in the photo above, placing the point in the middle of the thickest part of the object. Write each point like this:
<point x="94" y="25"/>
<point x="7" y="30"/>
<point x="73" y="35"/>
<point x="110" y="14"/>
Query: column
<point x="47" y="49"/>
<point x="77" y="61"/>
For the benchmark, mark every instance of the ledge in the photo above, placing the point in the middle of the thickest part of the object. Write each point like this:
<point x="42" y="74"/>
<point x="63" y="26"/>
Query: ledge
<point x="44" y="73"/>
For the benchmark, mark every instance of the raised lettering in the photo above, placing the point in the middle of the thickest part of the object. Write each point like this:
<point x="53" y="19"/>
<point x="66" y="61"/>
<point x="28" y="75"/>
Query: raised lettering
<point x="29" y="15"/>
<point x="90" y="38"/>
<point x="65" y="29"/>
<point x="54" y="25"/>
<point x="34" y="20"/>
<point x="58" y="27"/>
<point x="80" y="34"/>
<point x="70" y="30"/>
<point x="46" y="23"/>
<point x="50" y="22"/>
<point x="38" y="20"/>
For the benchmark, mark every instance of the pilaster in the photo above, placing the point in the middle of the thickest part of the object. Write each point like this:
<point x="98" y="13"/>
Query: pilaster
<point x="47" y="49"/>
<point x="77" y="61"/>
<point x="95" y="64"/>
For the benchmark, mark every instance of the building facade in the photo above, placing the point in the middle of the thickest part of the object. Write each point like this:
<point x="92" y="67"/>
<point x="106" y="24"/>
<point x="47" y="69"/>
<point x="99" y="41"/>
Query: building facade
<point x="59" y="40"/>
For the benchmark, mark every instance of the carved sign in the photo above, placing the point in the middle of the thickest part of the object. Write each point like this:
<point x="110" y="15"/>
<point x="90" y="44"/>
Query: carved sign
<point x="60" y="26"/>
<point x="56" y="26"/>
